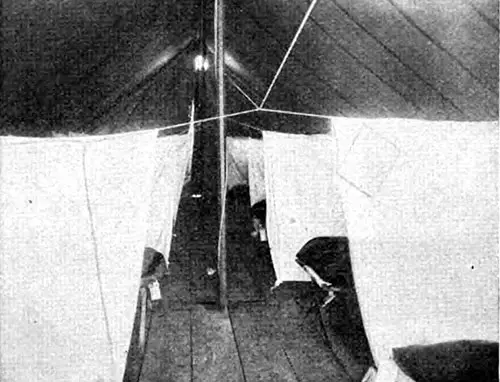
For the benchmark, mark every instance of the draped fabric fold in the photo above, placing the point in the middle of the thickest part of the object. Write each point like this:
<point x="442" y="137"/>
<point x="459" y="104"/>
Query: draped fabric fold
<point x="302" y="200"/>
<point x="173" y="158"/>
<point x="73" y="222"/>
<point x="421" y="205"/>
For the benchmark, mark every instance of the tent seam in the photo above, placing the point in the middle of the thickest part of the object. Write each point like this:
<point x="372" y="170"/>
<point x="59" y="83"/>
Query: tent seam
<point x="440" y="46"/>
<point x="399" y="59"/>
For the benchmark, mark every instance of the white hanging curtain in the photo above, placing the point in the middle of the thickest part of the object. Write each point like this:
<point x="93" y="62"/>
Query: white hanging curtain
<point x="256" y="174"/>
<point x="421" y="204"/>
<point x="189" y="165"/>
<point x="73" y="221"/>
<point x="173" y="158"/>
<point x="237" y="161"/>
<point x="245" y="162"/>
<point x="302" y="200"/>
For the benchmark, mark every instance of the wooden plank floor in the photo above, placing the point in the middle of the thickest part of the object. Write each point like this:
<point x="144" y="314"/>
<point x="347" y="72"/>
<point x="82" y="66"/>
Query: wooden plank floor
<point x="262" y="337"/>
<point x="273" y="341"/>
<point x="215" y="352"/>
<point x="168" y="356"/>
<point x="277" y="344"/>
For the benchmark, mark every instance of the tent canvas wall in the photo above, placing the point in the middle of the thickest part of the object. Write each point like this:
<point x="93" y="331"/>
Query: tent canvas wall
<point x="67" y="65"/>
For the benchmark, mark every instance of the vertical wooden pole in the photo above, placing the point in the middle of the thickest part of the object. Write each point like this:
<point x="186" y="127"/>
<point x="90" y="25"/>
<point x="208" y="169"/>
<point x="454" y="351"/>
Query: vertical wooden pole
<point x="3" y="64"/>
<point x="222" y="255"/>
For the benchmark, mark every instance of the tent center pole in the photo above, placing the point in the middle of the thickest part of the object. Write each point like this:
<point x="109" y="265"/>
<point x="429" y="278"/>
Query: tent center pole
<point x="219" y="64"/>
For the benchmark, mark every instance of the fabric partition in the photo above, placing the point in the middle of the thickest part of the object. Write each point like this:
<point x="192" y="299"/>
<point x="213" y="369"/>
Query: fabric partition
<point x="237" y="162"/>
<point x="190" y="137"/>
<point x="302" y="199"/>
<point x="172" y="162"/>
<point x="256" y="175"/>
<point x="72" y="234"/>
<point x="421" y="205"/>
<point x="245" y="163"/>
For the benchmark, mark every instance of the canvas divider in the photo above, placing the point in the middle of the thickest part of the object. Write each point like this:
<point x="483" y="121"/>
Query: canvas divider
<point x="421" y="205"/>
<point x="237" y="162"/>
<point x="245" y="162"/>
<point x="256" y="173"/>
<point x="72" y="234"/>
<point x="302" y="200"/>
<point x="172" y="161"/>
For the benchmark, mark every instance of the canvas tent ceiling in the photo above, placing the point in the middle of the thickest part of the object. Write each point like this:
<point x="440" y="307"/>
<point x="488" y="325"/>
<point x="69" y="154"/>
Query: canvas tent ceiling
<point x="68" y="62"/>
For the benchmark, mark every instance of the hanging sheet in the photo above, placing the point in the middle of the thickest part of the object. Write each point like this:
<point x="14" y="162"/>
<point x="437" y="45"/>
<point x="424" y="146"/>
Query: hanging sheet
<point x="72" y="230"/>
<point x="256" y="177"/>
<point x="245" y="161"/>
<point x="189" y="165"/>
<point x="237" y="161"/>
<point x="173" y="156"/>
<point x="302" y="200"/>
<point x="421" y="204"/>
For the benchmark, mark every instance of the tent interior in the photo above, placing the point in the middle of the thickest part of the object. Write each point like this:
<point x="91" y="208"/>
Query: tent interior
<point x="374" y="122"/>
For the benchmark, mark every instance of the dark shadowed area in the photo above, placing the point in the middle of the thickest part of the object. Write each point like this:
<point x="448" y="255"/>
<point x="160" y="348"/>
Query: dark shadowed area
<point x="72" y="65"/>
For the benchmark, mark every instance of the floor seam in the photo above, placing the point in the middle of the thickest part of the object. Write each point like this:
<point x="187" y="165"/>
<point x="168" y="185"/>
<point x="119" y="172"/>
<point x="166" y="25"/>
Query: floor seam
<point x="237" y="345"/>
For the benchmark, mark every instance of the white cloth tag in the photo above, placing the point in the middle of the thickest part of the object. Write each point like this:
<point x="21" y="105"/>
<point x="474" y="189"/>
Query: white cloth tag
<point x="263" y="234"/>
<point x="154" y="289"/>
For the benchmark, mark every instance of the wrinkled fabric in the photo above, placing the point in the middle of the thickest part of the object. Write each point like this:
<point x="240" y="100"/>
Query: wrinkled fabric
<point x="73" y="221"/>
<point x="302" y="199"/>
<point x="172" y="162"/>
<point x="421" y="205"/>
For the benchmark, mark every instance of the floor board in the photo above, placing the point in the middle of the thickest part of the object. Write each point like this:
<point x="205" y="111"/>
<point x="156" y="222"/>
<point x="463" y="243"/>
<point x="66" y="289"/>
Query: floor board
<point x="168" y="356"/>
<point x="286" y="336"/>
<point x="215" y="353"/>
<point x="261" y="346"/>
